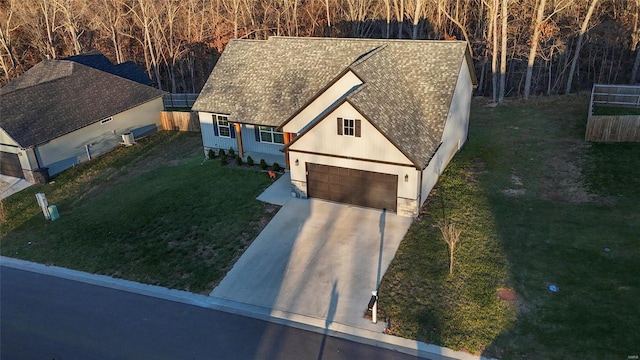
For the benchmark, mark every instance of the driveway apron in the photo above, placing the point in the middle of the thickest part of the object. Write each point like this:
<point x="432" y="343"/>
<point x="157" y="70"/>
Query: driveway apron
<point x="318" y="259"/>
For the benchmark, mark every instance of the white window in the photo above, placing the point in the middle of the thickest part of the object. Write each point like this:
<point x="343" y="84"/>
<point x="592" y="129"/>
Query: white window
<point x="224" y="128"/>
<point x="348" y="127"/>
<point x="269" y="135"/>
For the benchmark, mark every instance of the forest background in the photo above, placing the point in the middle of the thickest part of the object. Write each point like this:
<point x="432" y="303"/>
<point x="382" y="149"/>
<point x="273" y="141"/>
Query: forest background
<point x="519" y="47"/>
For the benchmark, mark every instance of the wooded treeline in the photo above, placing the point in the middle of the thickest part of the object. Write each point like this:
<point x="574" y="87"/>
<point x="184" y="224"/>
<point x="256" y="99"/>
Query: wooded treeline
<point x="520" y="47"/>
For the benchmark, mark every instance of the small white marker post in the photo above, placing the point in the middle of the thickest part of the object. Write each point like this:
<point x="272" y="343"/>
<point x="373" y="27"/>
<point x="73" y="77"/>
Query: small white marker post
<point x="42" y="201"/>
<point x="374" y="308"/>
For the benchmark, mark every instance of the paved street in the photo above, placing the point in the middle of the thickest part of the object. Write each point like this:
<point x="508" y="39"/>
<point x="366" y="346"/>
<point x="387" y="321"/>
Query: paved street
<point x="45" y="317"/>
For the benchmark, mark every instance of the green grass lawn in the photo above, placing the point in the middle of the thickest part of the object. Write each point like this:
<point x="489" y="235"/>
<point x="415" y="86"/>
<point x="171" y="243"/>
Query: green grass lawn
<point x="155" y="213"/>
<point x="537" y="206"/>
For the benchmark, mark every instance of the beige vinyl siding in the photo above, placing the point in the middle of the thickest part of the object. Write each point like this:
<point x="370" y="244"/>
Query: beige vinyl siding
<point x="455" y="132"/>
<point x="324" y="139"/>
<point x="312" y="111"/>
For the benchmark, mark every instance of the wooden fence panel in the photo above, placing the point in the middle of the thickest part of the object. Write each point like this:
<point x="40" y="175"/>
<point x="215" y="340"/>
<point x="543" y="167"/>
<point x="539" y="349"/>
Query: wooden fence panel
<point x="180" y="121"/>
<point x="613" y="128"/>
<point x="179" y="100"/>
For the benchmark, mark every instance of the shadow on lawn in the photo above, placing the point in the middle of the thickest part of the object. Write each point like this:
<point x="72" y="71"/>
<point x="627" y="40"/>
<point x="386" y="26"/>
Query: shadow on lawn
<point x="578" y="200"/>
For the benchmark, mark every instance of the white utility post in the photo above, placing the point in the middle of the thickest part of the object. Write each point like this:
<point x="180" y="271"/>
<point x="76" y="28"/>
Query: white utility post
<point x="374" y="308"/>
<point x="44" y="205"/>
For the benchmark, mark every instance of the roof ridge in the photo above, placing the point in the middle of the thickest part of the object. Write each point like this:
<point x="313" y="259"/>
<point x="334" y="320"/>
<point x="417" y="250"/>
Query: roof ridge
<point x="367" y="55"/>
<point x="357" y="39"/>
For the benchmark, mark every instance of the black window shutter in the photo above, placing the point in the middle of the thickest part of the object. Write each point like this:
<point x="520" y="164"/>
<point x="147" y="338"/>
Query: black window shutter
<point x="358" y="128"/>
<point x="232" y="127"/>
<point x="256" y="131"/>
<point x="215" y="126"/>
<point x="339" y="126"/>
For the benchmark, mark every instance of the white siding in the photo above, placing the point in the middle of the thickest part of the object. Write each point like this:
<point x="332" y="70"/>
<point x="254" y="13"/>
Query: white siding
<point x="209" y="139"/>
<point x="370" y="152"/>
<point x="406" y="189"/>
<point x="310" y="113"/>
<point x="455" y="132"/>
<point x="68" y="150"/>
<point x="5" y="140"/>
<point x="251" y="144"/>
<point x="324" y="139"/>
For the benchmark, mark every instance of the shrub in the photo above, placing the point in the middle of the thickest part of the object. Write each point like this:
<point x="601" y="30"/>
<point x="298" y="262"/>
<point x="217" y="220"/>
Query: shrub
<point x="211" y="154"/>
<point x="263" y="164"/>
<point x="249" y="161"/>
<point x="221" y="153"/>
<point x="275" y="166"/>
<point x="232" y="152"/>
<point x="238" y="160"/>
<point x="223" y="159"/>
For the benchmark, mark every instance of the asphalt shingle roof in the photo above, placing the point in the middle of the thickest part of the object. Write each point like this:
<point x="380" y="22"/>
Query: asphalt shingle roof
<point x="407" y="91"/>
<point x="56" y="97"/>
<point x="128" y="70"/>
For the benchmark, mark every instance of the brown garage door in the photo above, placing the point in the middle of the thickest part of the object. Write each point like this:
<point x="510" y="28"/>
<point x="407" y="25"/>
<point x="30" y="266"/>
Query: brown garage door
<point x="10" y="164"/>
<point x="363" y="188"/>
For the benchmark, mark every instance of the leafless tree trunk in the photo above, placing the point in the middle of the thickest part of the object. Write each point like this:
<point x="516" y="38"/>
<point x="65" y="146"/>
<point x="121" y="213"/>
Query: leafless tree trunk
<point x="7" y="58"/>
<point x="576" y="54"/>
<point x="399" y="6"/>
<point x="416" y="19"/>
<point x="635" y="41"/>
<point x="503" y="52"/>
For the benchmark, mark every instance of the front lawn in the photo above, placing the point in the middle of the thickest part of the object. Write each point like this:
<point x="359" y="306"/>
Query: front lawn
<point x="154" y="213"/>
<point x="537" y="206"/>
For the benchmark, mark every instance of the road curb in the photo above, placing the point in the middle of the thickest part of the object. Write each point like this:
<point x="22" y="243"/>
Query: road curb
<point x="363" y="336"/>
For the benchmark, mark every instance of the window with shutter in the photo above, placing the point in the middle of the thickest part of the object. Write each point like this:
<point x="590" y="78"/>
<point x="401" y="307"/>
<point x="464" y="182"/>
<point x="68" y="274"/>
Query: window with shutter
<point x="224" y="128"/>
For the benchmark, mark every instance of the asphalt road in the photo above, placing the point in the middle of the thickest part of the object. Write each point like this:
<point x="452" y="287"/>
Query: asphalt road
<point x="49" y="318"/>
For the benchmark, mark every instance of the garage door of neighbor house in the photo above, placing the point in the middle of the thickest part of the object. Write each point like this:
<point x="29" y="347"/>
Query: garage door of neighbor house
<point x="351" y="186"/>
<point x="10" y="165"/>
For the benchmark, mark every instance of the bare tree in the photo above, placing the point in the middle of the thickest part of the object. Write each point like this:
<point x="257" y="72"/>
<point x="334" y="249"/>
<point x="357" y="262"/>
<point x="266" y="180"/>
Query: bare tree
<point x="8" y="60"/>
<point x="451" y="236"/>
<point x="503" y="51"/>
<point x="72" y="12"/>
<point x="540" y="20"/>
<point x="576" y="54"/>
<point x="635" y="40"/>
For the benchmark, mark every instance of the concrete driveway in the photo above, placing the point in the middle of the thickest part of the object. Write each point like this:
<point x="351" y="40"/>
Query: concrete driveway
<point x="317" y="259"/>
<point x="11" y="185"/>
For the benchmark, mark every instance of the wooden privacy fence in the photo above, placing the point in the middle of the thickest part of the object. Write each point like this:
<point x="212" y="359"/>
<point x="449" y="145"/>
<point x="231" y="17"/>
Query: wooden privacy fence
<point x="179" y="100"/>
<point x="180" y="121"/>
<point x="614" y="128"/>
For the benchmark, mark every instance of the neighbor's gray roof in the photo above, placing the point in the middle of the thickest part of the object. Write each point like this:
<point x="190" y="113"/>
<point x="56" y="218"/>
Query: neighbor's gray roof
<point x="407" y="91"/>
<point x="56" y="97"/>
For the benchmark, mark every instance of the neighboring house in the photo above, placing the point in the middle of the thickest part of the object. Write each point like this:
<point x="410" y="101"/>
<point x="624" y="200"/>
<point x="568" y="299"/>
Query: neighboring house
<point x="360" y="121"/>
<point x="61" y="113"/>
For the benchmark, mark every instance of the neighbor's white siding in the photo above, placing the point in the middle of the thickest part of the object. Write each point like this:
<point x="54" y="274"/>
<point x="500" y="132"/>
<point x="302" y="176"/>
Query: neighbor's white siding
<point x="70" y="149"/>
<point x="7" y="143"/>
<point x="323" y="102"/>
<point x="455" y="132"/>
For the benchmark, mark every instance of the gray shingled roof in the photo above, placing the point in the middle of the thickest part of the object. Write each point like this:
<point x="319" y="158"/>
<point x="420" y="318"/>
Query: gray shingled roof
<point x="407" y="91"/>
<point x="56" y="97"/>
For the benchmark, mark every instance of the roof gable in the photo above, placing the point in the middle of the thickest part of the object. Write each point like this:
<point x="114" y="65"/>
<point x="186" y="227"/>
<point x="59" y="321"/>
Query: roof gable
<point x="56" y="97"/>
